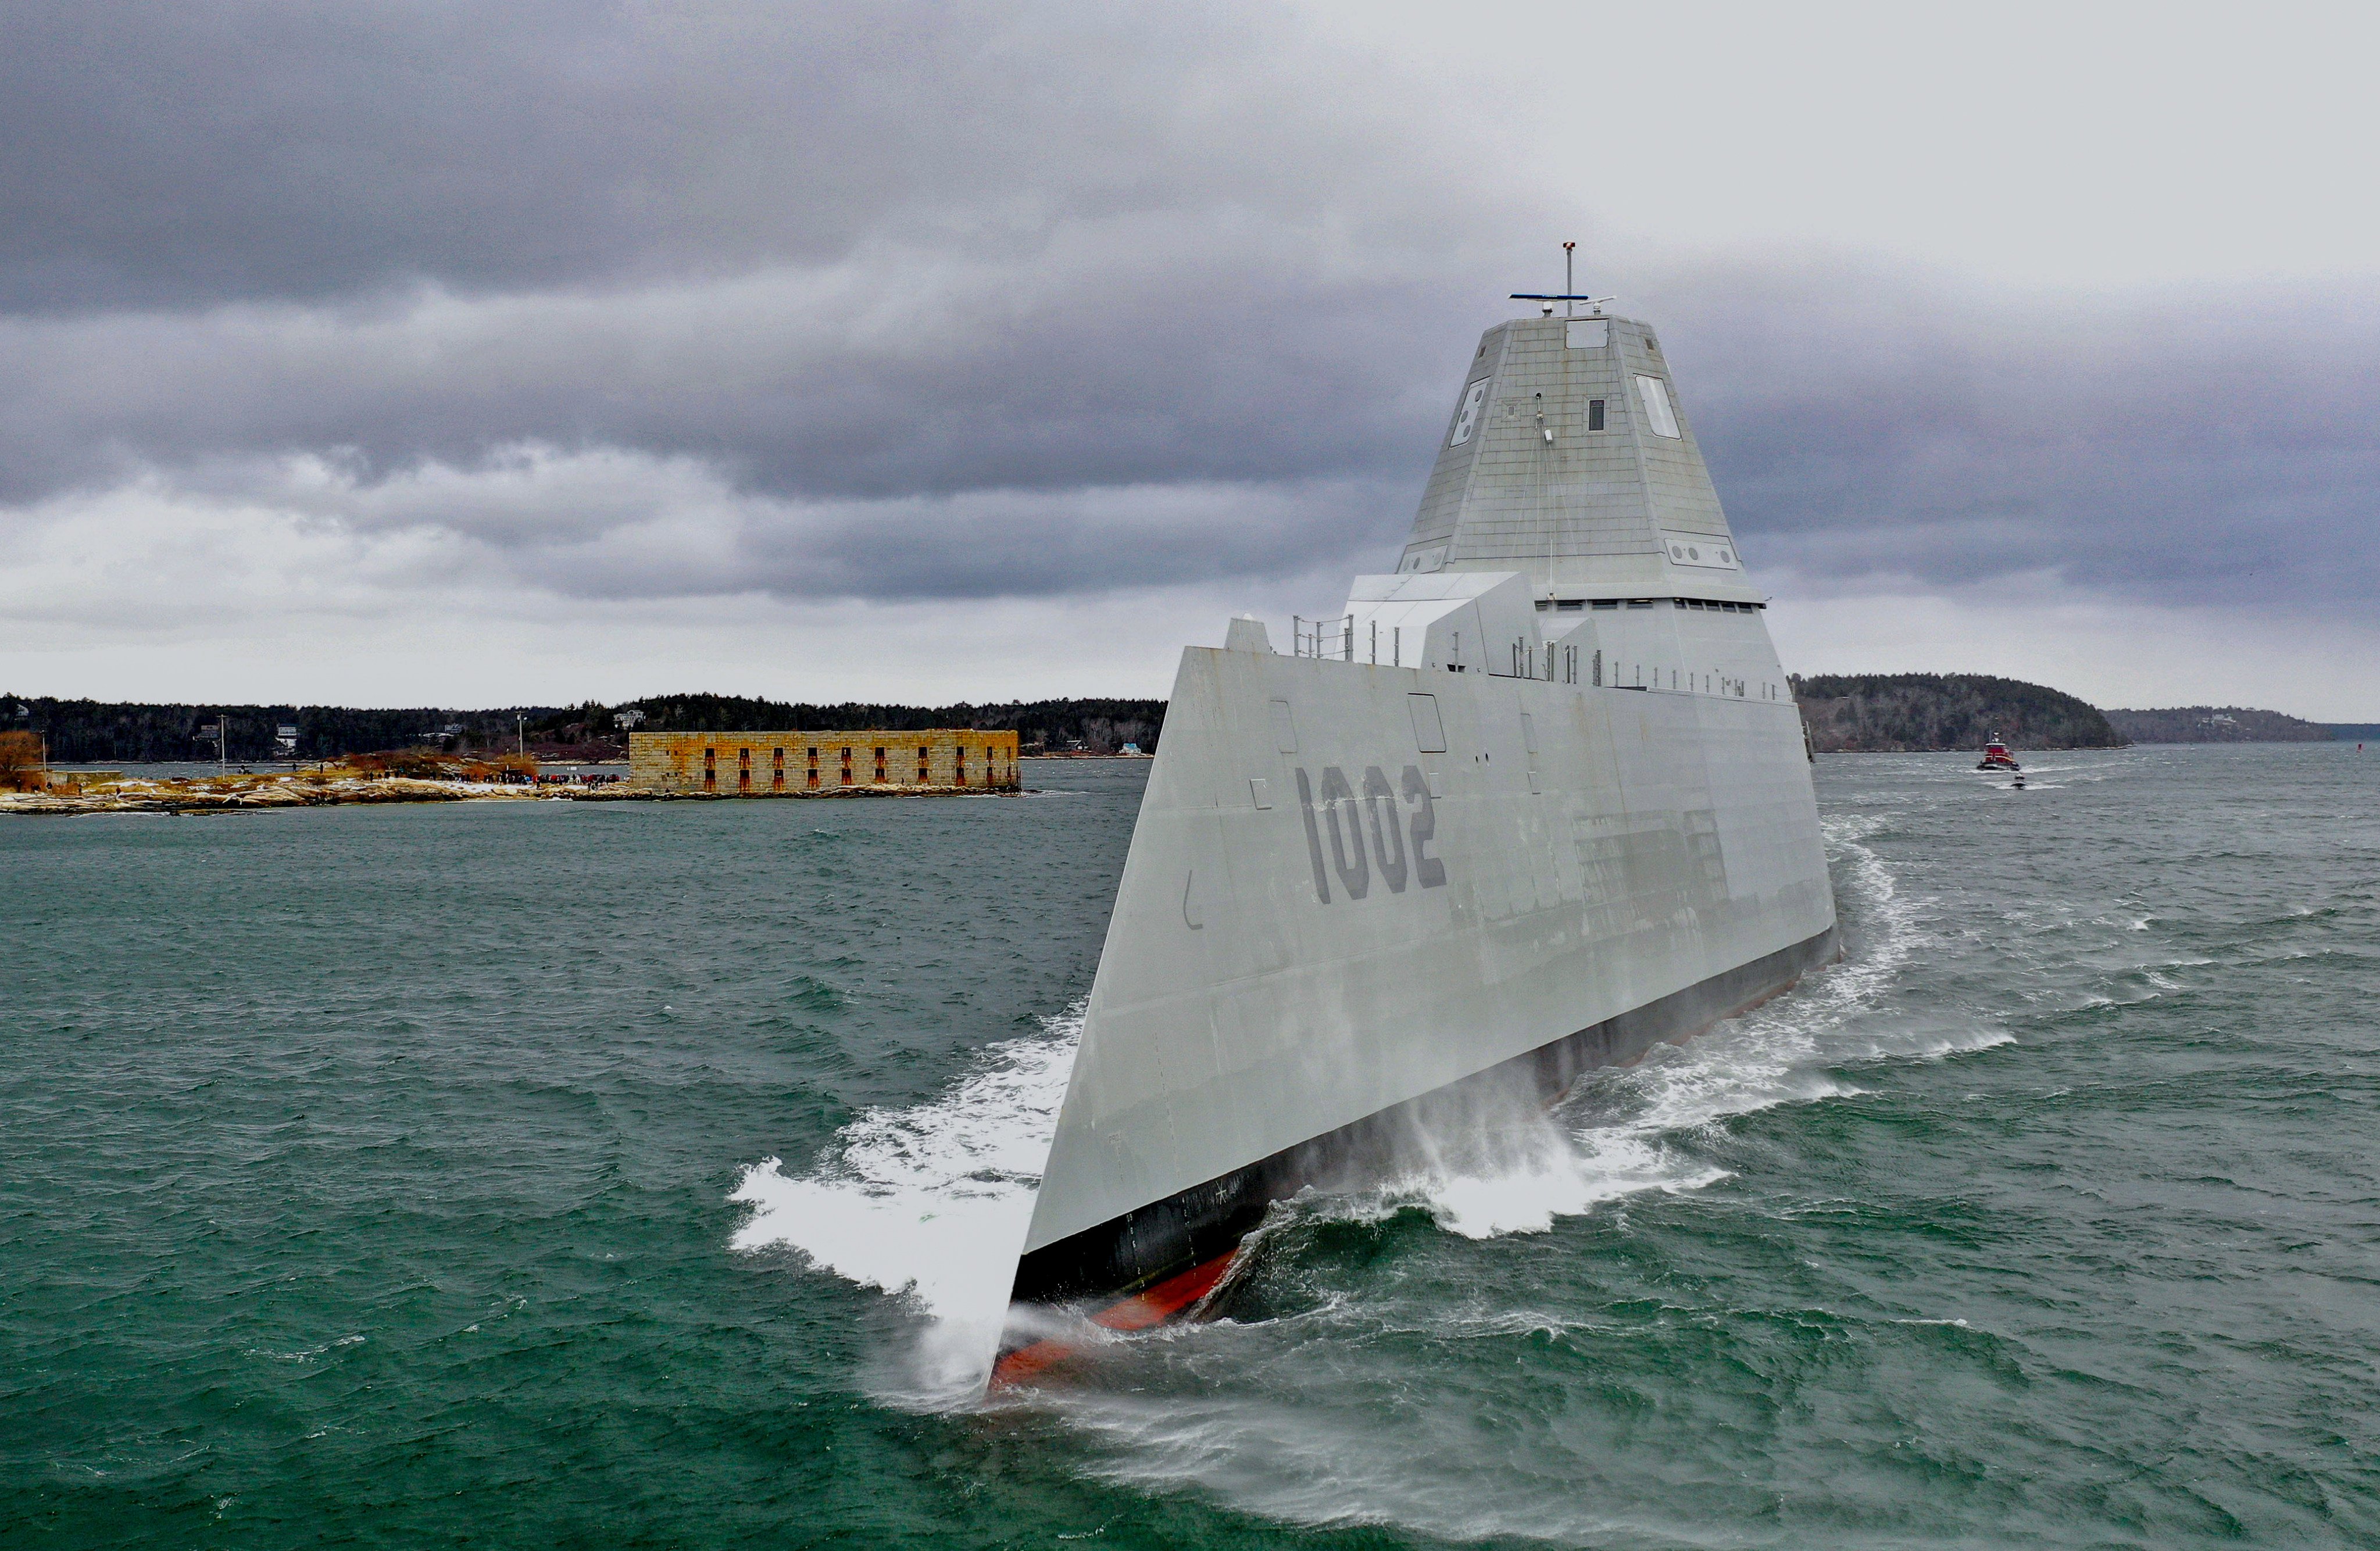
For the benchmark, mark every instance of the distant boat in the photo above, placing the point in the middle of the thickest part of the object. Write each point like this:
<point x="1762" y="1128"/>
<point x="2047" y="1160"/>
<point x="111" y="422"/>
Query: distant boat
<point x="1997" y="758"/>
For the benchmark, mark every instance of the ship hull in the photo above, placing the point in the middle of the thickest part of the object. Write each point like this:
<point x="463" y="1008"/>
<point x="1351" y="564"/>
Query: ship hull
<point x="1361" y="902"/>
<point x="1196" y="1230"/>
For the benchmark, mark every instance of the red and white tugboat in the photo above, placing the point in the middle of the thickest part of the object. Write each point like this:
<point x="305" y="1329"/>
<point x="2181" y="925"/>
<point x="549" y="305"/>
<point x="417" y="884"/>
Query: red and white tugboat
<point x="1997" y="758"/>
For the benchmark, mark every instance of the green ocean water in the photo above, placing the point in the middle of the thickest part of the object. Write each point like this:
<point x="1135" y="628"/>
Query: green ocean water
<point x="535" y="1175"/>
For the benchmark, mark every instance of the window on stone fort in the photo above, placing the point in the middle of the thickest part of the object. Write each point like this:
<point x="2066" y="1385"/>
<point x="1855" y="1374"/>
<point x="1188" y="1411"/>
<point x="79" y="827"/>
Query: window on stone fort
<point x="1595" y="414"/>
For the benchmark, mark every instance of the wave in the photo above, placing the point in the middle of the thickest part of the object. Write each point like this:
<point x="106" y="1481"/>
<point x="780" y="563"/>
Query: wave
<point x="928" y="1203"/>
<point x="1630" y="1130"/>
<point x="931" y="1202"/>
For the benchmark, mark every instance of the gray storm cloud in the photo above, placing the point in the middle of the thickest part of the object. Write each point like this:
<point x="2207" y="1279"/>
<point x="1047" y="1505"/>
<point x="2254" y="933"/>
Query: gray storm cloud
<point x="635" y="301"/>
<point x="2177" y="449"/>
<point x="226" y="152"/>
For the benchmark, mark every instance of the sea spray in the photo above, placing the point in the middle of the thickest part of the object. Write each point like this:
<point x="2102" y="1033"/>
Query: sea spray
<point x="929" y="1203"/>
<point x="1515" y="1168"/>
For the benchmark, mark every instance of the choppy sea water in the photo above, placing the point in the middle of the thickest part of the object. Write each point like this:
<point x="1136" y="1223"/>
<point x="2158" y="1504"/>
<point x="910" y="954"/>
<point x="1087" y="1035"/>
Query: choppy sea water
<point x="646" y="1174"/>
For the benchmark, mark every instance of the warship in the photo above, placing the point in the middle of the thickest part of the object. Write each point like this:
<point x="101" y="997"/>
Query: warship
<point x="1533" y="800"/>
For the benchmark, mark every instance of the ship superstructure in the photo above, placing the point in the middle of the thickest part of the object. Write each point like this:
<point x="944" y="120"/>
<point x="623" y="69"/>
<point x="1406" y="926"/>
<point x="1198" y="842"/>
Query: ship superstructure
<point x="1532" y="801"/>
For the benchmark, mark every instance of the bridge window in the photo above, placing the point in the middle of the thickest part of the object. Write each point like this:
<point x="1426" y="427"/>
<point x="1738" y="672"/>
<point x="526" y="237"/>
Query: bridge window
<point x="1659" y="418"/>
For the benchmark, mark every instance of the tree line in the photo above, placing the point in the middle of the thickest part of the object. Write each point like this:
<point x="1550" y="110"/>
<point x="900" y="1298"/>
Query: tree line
<point x="2216" y="724"/>
<point x="1917" y="712"/>
<point x="105" y="733"/>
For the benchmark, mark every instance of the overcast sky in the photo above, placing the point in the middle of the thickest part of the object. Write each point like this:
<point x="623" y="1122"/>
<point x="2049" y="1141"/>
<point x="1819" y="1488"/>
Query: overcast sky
<point x="480" y="355"/>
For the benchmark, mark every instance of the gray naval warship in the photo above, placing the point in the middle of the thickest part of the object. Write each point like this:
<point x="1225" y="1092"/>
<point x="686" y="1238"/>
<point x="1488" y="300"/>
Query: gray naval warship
<point x="1532" y="802"/>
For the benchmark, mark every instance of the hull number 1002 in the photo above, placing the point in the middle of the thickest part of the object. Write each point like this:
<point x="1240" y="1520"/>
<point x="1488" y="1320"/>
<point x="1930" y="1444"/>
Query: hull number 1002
<point x="1370" y="830"/>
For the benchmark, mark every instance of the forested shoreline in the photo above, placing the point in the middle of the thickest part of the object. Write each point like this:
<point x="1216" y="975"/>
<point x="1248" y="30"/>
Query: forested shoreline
<point x="1916" y="713"/>
<point x="108" y="732"/>
<point x="1845" y="713"/>
<point x="2216" y="724"/>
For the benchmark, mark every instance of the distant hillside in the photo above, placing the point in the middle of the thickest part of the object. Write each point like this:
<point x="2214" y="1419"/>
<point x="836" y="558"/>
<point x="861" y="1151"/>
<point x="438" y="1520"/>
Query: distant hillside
<point x="105" y="733"/>
<point x="2216" y="724"/>
<point x="1911" y="714"/>
<point x="96" y="732"/>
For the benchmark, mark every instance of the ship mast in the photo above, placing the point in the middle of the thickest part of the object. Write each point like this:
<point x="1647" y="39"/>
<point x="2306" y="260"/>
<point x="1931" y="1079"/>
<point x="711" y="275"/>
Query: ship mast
<point x="1570" y="295"/>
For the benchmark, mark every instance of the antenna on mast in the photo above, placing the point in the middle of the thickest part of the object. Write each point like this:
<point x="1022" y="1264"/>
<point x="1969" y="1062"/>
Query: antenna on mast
<point x="1570" y="295"/>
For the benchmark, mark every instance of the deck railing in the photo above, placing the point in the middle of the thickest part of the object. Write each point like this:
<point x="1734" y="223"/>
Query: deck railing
<point x="1324" y="638"/>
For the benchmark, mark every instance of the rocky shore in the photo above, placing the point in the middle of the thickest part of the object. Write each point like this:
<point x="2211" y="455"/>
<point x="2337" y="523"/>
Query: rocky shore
<point x="256" y="793"/>
<point x="248" y="793"/>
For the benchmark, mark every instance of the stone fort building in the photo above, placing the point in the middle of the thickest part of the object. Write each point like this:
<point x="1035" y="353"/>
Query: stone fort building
<point x="814" y="764"/>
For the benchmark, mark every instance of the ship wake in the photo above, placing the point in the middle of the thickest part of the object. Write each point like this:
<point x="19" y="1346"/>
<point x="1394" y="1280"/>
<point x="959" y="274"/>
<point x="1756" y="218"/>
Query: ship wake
<point x="1510" y="1166"/>
<point x="931" y="1202"/>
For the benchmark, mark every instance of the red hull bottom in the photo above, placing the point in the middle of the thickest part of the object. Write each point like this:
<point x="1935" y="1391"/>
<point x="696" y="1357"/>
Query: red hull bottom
<point x="1159" y="1303"/>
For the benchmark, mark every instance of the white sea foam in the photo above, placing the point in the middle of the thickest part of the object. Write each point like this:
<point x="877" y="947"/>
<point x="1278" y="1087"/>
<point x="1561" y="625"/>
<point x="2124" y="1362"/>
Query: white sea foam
<point x="1621" y="1133"/>
<point x="1592" y="1168"/>
<point x="1327" y="1462"/>
<point x="1302" y="1464"/>
<point x="929" y="1203"/>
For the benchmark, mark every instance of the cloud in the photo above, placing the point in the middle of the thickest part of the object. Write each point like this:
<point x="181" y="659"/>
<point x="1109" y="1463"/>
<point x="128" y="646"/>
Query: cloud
<point x="1871" y="429"/>
<point x="1072" y="291"/>
<point x="233" y="150"/>
<point x="872" y="378"/>
<point x="403" y="313"/>
<point x="606" y="525"/>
